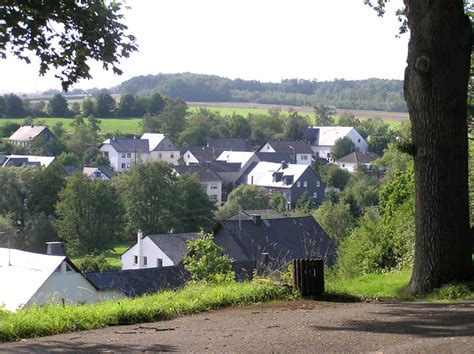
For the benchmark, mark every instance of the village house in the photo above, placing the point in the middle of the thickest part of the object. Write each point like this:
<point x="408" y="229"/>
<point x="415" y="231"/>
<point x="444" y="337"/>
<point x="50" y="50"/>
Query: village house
<point x="37" y="279"/>
<point x="103" y="173"/>
<point x="352" y="160"/>
<point x="25" y="160"/>
<point x="322" y="139"/>
<point x="299" y="152"/>
<point x="26" y="134"/>
<point x="291" y="180"/>
<point x="124" y="153"/>
<point x="210" y="181"/>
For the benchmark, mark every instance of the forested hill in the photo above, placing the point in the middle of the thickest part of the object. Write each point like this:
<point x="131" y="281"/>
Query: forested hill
<point x="371" y="94"/>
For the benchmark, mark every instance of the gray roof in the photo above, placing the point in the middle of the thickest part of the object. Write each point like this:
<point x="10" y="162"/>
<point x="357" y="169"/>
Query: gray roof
<point x="28" y="132"/>
<point x="299" y="147"/>
<point x="274" y="156"/>
<point x="130" y="145"/>
<point x="230" y="144"/>
<point x="173" y="245"/>
<point x="222" y="166"/>
<point x="359" y="157"/>
<point x="204" y="173"/>
<point x="283" y="239"/>
<point x="264" y="213"/>
<point x="202" y="154"/>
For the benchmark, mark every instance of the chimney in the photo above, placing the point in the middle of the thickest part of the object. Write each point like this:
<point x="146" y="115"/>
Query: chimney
<point x="139" y="245"/>
<point x="284" y="165"/>
<point x="55" y="248"/>
<point x="256" y="219"/>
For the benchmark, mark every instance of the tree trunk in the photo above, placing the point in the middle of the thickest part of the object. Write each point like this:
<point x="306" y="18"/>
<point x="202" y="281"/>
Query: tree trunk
<point x="436" y="81"/>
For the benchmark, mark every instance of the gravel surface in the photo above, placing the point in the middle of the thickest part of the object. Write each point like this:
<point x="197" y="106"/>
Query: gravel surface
<point x="301" y="326"/>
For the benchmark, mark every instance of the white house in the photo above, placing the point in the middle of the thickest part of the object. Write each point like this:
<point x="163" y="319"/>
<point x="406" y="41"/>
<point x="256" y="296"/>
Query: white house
<point x="124" y="153"/>
<point x="103" y="173"/>
<point x="350" y="161"/>
<point x="299" y="152"/>
<point x="210" y="181"/>
<point x="322" y="139"/>
<point x="156" y="251"/>
<point x="28" y="278"/>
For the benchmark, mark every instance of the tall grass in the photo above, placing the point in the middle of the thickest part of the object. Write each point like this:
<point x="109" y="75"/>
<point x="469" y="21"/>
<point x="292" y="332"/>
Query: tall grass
<point x="54" y="319"/>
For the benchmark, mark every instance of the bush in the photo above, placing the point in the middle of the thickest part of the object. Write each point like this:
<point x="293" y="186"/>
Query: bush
<point x="94" y="263"/>
<point x="206" y="261"/>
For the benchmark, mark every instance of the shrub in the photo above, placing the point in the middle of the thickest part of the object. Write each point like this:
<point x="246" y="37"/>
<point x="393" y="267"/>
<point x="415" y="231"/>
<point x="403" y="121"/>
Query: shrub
<point x="94" y="263"/>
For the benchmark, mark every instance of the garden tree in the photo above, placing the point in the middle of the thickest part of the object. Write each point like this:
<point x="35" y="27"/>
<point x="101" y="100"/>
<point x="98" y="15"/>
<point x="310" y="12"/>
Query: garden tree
<point x="93" y="158"/>
<point x="38" y="230"/>
<point x="126" y="106"/>
<point x="65" y="35"/>
<point x="361" y="192"/>
<point x="36" y="109"/>
<point x="245" y="196"/>
<point x="278" y="202"/>
<point x="58" y="129"/>
<point x="170" y="121"/>
<point x="76" y="108"/>
<point x="294" y="126"/>
<point x="305" y="203"/>
<point x="149" y="195"/>
<point x="334" y="176"/>
<point x="266" y="127"/>
<point x="87" y="107"/>
<point x="84" y="134"/>
<point x="336" y="219"/>
<point x="104" y="105"/>
<point x="398" y="188"/>
<point x="342" y="147"/>
<point x="90" y="215"/>
<point x="195" y="211"/>
<point x="201" y="125"/>
<point x="92" y="263"/>
<point x="155" y="105"/>
<point x="58" y="107"/>
<point x="206" y="261"/>
<point x="347" y="120"/>
<point x="440" y="43"/>
<point x="324" y="115"/>
<point x="14" y="105"/>
<point x="68" y="159"/>
<point x="46" y="147"/>
<point x="8" y="128"/>
<point x="239" y="127"/>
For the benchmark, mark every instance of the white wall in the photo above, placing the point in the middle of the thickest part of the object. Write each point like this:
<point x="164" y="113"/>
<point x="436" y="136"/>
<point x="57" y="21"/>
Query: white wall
<point x="70" y="286"/>
<point x="113" y="155"/>
<point x="301" y="160"/>
<point x="189" y="158"/>
<point x="215" y="188"/>
<point x="360" y="143"/>
<point x="266" y="148"/>
<point x="171" y="157"/>
<point x="149" y="250"/>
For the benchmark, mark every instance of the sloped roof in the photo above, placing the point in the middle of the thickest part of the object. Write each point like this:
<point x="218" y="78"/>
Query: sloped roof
<point x="329" y="135"/>
<point x="274" y="156"/>
<point x="27" y="132"/>
<point x="264" y="213"/>
<point x="106" y="170"/>
<point x="204" y="173"/>
<point x="221" y="166"/>
<point x="283" y="239"/>
<point x="128" y="145"/>
<point x="202" y="154"/>
<point x="297" y="147"/>
<point x="263" y="172"/>
<point x="26" y="274"/>
<point x="241" y="157"/>
<point x="173" y="245"/>
<point x="19" y="160"/>
<point x="153" y="139"/>
<point x="359" y="157"/>
<point x="135" y="282"/>
<point x="230" y="144"/>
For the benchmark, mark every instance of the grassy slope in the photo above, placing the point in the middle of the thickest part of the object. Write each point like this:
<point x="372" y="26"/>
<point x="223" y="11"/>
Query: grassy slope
<point x="54" y="319"/>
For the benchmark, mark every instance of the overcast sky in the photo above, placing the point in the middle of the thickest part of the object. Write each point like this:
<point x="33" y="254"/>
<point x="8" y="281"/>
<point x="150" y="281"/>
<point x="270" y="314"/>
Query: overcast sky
<point x="266" y="40"/>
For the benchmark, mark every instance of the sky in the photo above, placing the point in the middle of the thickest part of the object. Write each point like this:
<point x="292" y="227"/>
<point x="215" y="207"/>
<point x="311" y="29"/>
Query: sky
<point x="266" y="40"/>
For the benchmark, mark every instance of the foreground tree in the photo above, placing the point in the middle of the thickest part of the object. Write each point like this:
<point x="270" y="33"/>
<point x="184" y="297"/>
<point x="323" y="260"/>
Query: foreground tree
<point x="436" y="82"/>
<point x="245" y="196"/>
<point x="65" y="34"/>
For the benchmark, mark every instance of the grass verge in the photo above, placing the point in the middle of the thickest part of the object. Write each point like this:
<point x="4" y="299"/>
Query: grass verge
<point x="391" y="286"/>
<point x="55" y="319"/>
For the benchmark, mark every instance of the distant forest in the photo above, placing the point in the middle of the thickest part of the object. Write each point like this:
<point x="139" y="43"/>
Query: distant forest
<point x="371" y="94"/>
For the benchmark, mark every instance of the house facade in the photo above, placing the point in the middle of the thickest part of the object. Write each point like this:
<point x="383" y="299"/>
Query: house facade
<point x="210" y="181"/>
<point x="155" y="251"/>
<point x="291" y="180"/>
<point x="299" y="152"/>
<point x="322" y="139"/>
<point x="124" y="153"/>
<point x="350" y="161"/>
<point x="25" y="135"/>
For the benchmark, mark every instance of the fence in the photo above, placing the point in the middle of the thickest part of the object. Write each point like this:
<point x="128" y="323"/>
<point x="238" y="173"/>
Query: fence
<point x="308" y="276"/>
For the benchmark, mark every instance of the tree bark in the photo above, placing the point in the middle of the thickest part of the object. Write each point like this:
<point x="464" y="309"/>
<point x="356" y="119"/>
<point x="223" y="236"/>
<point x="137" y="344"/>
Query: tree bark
<point x="436" y="81"/>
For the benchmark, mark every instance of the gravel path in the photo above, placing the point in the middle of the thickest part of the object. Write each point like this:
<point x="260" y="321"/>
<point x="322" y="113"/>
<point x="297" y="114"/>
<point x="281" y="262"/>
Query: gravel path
<point x="301" y="326"/>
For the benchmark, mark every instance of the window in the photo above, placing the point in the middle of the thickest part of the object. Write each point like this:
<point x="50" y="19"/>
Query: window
<point x="304" y="157"/>
<point x="298" y="184"/>
<point x="214" y="197"/>
<point x="318" y="184"/>
<point x="123" y="155"/>
<point x="251" y="179"/>
<point x="135" y="259"/>
<point x="213" y="187"/>
<point x="145" y="261"/>
<point x="159" y="262"/>
<point x="315" y="195"/>
<point x="129" y="154"/>
<point x="123" y="165"/>
<point x="358" y="140"/>
<point x="69" y="268"/>
<point x="328" y="155"/>
<point x="189" y="156"/>
<point x="305" y="183"/>
<point x="172" y="156"/>
<point x="159" y="156"/>
<point x="128" y="165"/>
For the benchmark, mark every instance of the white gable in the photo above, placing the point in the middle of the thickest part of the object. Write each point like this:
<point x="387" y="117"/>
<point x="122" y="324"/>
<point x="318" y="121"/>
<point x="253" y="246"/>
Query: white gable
<point x="241" y="157"/>
<point x="26" y="274"/>
<point x="153" y="139"/>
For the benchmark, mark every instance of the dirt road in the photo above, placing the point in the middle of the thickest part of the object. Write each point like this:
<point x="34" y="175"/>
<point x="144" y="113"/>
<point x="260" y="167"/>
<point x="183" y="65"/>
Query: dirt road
<point x="302" y="326"/>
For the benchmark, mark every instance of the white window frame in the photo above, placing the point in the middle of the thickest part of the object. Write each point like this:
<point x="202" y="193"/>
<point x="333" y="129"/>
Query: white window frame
<point x="305" y="184"/>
